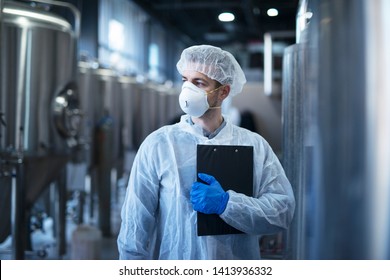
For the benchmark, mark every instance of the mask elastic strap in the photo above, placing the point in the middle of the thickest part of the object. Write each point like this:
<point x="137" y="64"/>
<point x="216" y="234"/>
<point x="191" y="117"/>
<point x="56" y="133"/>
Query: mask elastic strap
<point x="216" y="107"/>
<point x="211" y="91"/>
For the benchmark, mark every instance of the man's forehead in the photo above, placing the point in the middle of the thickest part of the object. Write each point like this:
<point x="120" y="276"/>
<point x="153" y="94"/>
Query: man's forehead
<point x="192" y="74"/>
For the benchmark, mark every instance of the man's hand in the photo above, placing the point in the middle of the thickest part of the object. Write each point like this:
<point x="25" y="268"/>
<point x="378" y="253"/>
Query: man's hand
<point x="209" y="198"/>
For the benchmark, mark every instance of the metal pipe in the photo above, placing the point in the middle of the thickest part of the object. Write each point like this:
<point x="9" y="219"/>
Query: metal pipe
<point x="1" y="67"/>
<point x="1" y="72"/>
<point x="268" y="57"/>
<point x="268" y="65"/>
<point x="74" y="10"/>
<point x="61" y="213"/>
<point x="18" y="217"/>
<point x="304" y="15"/>
<point x="378" y="125"/>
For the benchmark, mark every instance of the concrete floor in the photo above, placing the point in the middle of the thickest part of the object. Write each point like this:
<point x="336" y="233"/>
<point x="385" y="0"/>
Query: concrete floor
<point x="85" y="240"/>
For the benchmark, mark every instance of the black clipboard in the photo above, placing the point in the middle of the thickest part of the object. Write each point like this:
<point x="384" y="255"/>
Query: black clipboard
<point x="232" y="166"/>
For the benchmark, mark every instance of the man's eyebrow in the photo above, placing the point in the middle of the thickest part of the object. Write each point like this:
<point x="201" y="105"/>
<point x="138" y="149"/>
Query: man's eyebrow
<point x="200" y="80"/>
<point x="197" y="79"/>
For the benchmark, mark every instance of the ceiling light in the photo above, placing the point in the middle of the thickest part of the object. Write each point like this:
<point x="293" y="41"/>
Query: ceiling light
<point x="226" y="17"/>
<point x="272" y="12"/>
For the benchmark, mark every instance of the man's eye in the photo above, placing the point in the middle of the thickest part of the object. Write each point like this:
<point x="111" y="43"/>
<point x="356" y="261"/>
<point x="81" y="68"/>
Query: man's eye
<point x="200" y="85"/>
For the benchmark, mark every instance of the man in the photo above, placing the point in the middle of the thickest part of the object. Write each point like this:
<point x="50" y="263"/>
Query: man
<point x="159" y="216"/>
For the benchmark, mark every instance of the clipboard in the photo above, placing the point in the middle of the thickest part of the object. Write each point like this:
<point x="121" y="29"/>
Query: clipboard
<point x="232" y="166"/>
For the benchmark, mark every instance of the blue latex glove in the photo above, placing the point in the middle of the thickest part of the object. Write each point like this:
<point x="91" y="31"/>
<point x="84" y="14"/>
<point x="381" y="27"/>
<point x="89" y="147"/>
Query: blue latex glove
<point x="208" y="198"/>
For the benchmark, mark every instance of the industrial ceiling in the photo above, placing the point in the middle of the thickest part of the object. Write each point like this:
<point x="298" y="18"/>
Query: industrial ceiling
<point x="198" y="19"/>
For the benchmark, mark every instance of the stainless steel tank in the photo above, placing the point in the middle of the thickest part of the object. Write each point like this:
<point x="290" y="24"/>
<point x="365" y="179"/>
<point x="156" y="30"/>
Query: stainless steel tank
<point x="38" y="102"/>
<point x="130" y="91"/>
<point x="168" y="107"/>
<point x="295" y="145"/>
<point x="159" y="106"/>
<point x="38" y="95"/>
<point x="174" y="111"/>
<point x="85" y="82"/>
<point x="297" y="113"/>
<point x="103" y="90"/>
<point x="100" y="97"/>
<point x="149" y="105"/>
<point x="107" y="103"/>
<point x="337" y="124"/>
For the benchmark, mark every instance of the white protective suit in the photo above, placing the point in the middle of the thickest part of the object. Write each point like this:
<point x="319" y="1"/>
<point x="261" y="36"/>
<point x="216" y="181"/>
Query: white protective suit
<point x="158" y="221"/>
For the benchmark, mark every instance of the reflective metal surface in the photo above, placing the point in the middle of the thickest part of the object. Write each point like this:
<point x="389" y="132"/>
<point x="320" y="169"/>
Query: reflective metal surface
<point x="378" y="125"/>
<point x="296" y="144"/>
<point x="119" y="112"/>
<point x="341" y="186"/>
<point x="337" y="126"/>
<point x="107" y="103"/>
<point x="130" y="102"/>
<point x="38" y="108"/>
<point x="38" y="58"/>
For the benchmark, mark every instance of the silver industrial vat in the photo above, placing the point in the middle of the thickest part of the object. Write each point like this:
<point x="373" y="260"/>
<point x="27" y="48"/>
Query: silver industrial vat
<point x="85" y="137"/>
<point x="295" y="146"/>
<point x="119" y="111"/>
<point x="159" y="107"/>
<point x="38" y="101"/>
<point x="168" y="104"/>
<point x="149" y="105"/>
<point x="130" y="102"/>
<point x="337" y="130"/>
<point x="101" y="130"/>
<point x="107" y="104"/>
<point x="38" y="104"/>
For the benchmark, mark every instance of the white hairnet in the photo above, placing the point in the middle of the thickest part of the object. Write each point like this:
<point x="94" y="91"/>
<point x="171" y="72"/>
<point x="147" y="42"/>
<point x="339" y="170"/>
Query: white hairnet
<point x="215" y="63"/>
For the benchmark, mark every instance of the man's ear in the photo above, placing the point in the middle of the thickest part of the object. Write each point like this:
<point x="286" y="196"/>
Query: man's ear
<point x="225" y="92"/>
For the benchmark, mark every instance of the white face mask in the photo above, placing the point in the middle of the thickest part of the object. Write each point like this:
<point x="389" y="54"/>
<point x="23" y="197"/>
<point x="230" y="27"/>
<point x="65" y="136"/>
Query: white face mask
<point x="193" y="100"/>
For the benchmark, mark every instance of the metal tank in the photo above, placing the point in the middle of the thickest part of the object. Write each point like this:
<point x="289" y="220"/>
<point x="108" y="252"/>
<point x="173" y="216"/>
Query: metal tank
<point x="337" y="125"/>
<point x="168" y="104"/>
<point x="85" y="81"/>
<point x="137" y="114"/>
<point x="162" y="106"/>
<point x="174" y="110"/>
<point x="112" y="106"/>
<point x="293" y="142"/>
<point x="297" y="143"/>
<point x="159" y="107"/>
<point x="119" y="111"/>
<point x="107" y="103"/>
<point x="146" y="106"/>
<point x="38" y="105"/>
<point x="104" y="94"/>
<point x="149" y="107"/>
<point x="130" y="101"/>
